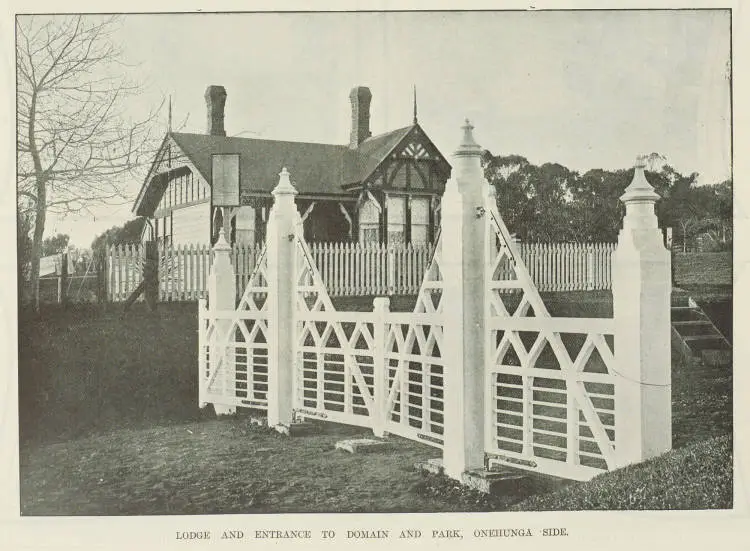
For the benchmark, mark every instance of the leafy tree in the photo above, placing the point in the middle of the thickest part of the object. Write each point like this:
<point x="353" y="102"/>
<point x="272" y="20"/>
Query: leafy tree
<point x="552" y="203"/>
<point x="596" y="210"/>
<point x="130" y="232"/>
<point x="510" y="176"/>
<point x="75" y="145"/>
<point x="55" y="245"/>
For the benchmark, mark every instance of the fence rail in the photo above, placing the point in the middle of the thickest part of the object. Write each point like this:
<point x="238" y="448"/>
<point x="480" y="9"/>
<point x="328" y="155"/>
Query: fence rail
<point x="353" y="269"/>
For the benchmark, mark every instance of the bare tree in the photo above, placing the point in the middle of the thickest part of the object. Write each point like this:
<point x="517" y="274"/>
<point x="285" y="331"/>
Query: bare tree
<point x="76" y="146"/>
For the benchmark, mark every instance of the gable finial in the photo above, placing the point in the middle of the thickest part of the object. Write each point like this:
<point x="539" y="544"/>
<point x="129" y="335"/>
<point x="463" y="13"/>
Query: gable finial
<point x="169" y="118"/>
<point x="415" y="104"/>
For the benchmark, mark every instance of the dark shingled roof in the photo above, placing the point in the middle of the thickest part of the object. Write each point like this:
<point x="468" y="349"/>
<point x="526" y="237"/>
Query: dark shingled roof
<point x="371" y="153"/>
<point x="315" y="168"/>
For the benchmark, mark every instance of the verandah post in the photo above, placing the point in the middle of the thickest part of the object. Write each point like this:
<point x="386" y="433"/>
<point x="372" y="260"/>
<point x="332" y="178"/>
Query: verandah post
<point x="221" y="296"/>
<point x="463" y="234"/>
<point x="281" y="253"/>
<point x="641" y="288"/>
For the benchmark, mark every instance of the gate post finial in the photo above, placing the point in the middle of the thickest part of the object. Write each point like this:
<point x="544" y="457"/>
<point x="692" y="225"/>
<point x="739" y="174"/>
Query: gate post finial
<point x="641" y="291"/>
<point x="285" y="186"/>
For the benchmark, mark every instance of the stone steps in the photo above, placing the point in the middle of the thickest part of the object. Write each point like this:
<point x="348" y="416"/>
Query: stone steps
<point x="694" y="336"/>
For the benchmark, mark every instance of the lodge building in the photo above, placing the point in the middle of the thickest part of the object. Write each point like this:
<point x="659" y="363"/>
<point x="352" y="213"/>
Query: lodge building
<point x="384" y="188"/>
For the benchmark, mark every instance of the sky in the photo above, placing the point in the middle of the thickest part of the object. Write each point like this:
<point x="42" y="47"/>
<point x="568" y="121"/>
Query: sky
<point x="583" y="89"/>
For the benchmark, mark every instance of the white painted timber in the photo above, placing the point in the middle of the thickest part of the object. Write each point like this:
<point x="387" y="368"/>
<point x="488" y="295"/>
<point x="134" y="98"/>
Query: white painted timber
<point x="641" y="296"/>
<point x="222" y="296"/>
<point x="190" y="224"/>
<point x="282" y="297"/>
<point x="463" y="233"/>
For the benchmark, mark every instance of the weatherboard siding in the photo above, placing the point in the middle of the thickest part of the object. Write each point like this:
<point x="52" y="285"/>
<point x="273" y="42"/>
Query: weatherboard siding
<point x="190" y="225"/>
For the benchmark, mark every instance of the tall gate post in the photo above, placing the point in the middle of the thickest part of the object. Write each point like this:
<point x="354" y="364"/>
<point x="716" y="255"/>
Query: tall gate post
<point x="641" y="288"/>
<point x="221" y="296"/>
<point x="282" y="293"/>
<point x="381" y="307"/>
<point x="463" y="266"/>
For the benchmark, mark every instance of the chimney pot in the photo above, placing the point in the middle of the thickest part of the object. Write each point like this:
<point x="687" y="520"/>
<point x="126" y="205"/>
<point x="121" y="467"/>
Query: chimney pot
<point x="216" y="97"/>
<point x="360" y="97"/>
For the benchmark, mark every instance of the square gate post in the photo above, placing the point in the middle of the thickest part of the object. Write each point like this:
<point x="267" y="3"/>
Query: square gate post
<point x="282" y="293"/>
<point x="381" y="307"/>
<point x="641" y="289"/>
<point x="221" y="296"/>
<point x="463" y="266"/>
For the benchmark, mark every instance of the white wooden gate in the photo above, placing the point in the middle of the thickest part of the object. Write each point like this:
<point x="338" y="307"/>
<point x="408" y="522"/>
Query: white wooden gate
<point x="550" y="398"/>
<point x="551" y="393"/>
<point x="233" y="347"/>
<point x="414" y="362"/>
<point x="381" y="370"/>
<point x="334" y="375"/>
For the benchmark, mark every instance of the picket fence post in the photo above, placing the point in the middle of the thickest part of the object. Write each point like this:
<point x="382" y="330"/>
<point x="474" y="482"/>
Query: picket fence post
<point x="464" y="241"/>
<point x="282" y="294"/>
<point x="641" y="289"/>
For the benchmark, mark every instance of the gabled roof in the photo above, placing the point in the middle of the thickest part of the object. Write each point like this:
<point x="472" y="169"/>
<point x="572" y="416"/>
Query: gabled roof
<point x="315" y="168"/>
<point x="372" y="152"/>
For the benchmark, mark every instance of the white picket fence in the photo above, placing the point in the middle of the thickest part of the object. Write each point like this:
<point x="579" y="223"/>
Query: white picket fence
<point x="353" y="269"/>
<point x="569" y="266"/>
<point x="183" y="270"/>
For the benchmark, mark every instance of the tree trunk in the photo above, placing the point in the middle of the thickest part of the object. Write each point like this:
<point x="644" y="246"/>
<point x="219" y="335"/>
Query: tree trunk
<point x="36" y="245"/>
<point x="40" y="207"/>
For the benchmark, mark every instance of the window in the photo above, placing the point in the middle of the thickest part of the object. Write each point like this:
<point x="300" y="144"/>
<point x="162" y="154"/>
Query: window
<point x="369" y="223"/>
<point x="420" y="219"/>
<point x="163" y="230"/>
<point x="396" y="220"/>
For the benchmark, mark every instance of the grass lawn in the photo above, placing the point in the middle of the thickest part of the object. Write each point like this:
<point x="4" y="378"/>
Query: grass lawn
<point x="109" y="425"/>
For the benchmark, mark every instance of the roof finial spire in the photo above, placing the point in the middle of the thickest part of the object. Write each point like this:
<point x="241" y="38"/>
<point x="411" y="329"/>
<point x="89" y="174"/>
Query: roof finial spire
<point x="169" y="119"/>
<point x="415" y="104"/>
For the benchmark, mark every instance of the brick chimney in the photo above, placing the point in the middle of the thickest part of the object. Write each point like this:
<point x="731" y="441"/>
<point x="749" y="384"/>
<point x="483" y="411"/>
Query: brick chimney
<point x="360" y="97"/>
<point x="216" y="97"/>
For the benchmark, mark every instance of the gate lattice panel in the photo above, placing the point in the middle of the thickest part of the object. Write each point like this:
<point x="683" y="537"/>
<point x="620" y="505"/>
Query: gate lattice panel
<point x="233" y="347"/>
<point x="415" y="365"/>
<point x="550" y="386"/>
<point x="335" y="374"/>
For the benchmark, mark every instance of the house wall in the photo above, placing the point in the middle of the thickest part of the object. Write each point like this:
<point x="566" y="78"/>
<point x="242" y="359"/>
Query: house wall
<point x="190" y="225"/>
<point x="183" y="188"/>
<point x="182" y="216"/>
<point x="245" y="225"/>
